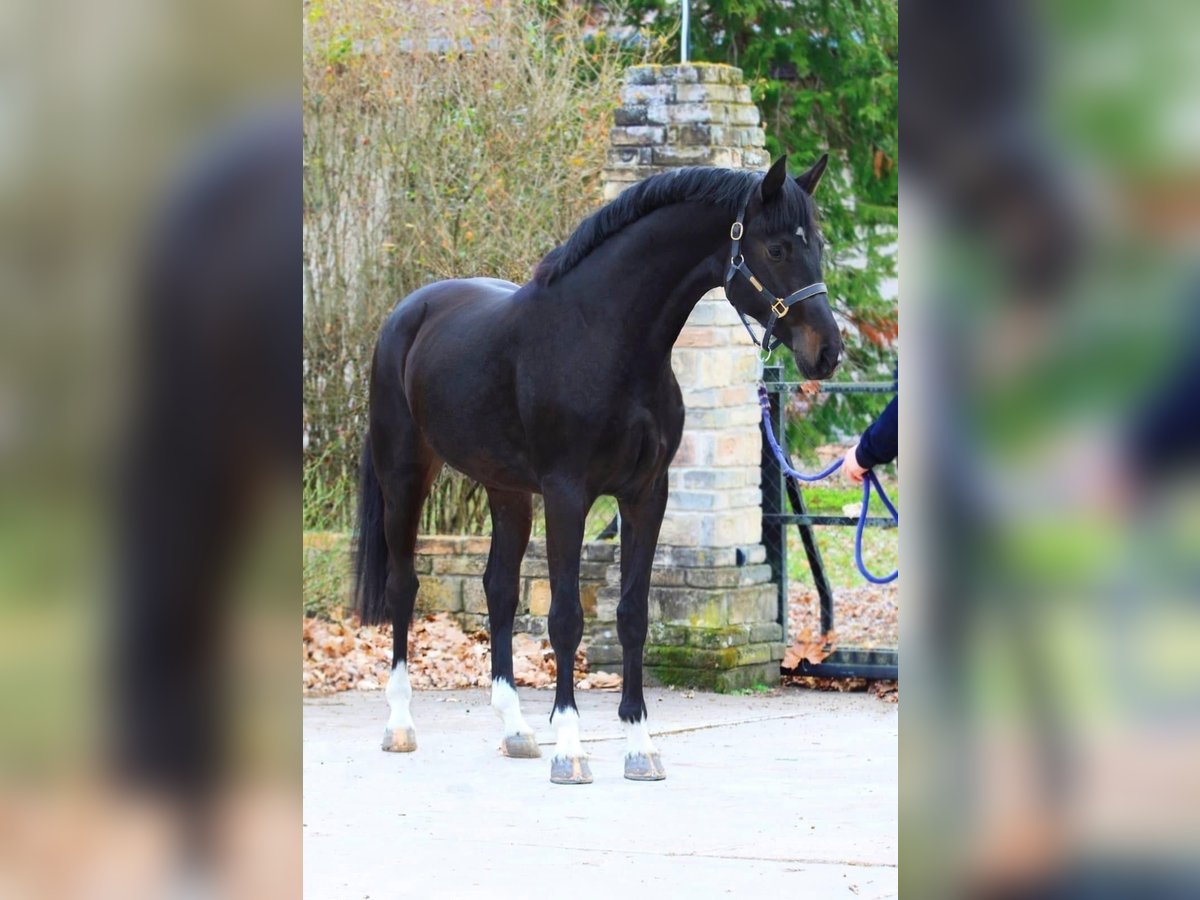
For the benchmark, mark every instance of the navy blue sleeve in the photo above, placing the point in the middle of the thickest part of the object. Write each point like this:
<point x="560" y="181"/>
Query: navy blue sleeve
<point x="878" y="443"/>
<point x="1165" y="438"/>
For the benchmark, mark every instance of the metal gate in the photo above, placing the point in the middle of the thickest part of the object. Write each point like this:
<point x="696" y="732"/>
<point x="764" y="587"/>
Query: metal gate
<point x="784" y="507"/>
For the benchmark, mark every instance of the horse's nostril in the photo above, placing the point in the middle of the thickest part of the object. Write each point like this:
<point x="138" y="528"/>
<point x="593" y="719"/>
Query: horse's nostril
<point x="830" y="358"/>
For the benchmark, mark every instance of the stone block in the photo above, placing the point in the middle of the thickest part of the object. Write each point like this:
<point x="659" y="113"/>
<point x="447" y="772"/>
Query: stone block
<point x="715" y="369"/>
<point x="734" y="528"/>
<point x="588" y="598"/>
<point x="645" y="74"/>
<point x="689" y="657"/>
<point x="632" y="114"/>
<point x="769" y="632"/>
<point x="695" y="449"/>
<point x="718" y="638"/>
<point x="459" y="565"/>
<point x="694" y="155"/>
<point x="474" y="599"/>
<point x="637" y="135"/>
<point x="667" y="555"/>
<point x="643" y="94"/>
<point x="729" y="576"/>
<point x="629" y="157"/>
<point x="607" y="599"/>
<point x="701" y="134"/>
<point x="741" y="114"/>
<point x="755" y="159"/>
<point x="601" y="551"/>
<point x="752" y="653"/>
<point x="697" y="113"/>
<point x="705" y="92"/>
<point x="738" y="448"/>
<point x="535" y="568"/>
<point x="719" y="72"/>
<point x="440" y="594"/>
<point x="539" y="597"/>
<point x="751" y="604"/>
<point x="668" y="576"/>
<point x="719" y="479"/>
<point x="703" y="336"/>
<point x="439" y="545"/>
<point x="720" y="680"/>
<point x="685" y="529"/>
<point x="712" y="418"/>
<point x="667" y="635"/>
<point x="603" y="654"/>
<point x="532" y="625"/>
<point x="476" y="545"/>
<point x="695" y="500"/>
<point x="679" y="74"/>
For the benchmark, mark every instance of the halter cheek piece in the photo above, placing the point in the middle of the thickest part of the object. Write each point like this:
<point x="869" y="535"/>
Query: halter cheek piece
<point x="779" y="308"/>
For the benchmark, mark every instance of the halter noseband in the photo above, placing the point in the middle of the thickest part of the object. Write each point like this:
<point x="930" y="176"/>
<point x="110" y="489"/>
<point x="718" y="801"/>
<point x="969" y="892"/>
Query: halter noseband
<point x="779" y="308"/>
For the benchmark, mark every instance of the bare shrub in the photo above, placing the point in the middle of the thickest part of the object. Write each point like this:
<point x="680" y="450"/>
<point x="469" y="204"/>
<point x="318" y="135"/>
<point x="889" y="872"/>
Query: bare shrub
<point x="440" y="140"/>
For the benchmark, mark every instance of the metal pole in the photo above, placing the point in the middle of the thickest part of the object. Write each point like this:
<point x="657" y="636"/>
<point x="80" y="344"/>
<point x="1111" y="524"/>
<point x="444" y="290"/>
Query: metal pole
<point x="683" y="37"/>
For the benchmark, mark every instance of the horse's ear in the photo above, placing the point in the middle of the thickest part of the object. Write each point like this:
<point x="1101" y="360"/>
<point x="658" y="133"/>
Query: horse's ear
<point x="774" y="179"/>
<point x="810" y="179"/>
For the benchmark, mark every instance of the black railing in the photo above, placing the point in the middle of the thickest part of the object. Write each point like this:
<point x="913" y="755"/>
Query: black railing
<point x="784" y="506"/>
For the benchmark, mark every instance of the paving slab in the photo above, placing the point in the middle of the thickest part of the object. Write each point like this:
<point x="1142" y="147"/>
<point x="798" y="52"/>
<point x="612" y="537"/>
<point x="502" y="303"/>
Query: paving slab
<point x="785" y="794"/>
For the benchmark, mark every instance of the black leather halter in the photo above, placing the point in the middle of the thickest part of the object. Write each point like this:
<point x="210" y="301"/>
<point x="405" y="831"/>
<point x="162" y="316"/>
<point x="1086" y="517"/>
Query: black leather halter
<point x="779" y="308"/>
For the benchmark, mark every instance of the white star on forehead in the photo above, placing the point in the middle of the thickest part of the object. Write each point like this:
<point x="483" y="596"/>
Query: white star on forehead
<point x="800" y="232"/>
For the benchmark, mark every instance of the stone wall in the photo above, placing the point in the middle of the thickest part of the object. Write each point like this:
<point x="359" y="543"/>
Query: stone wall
<point x="451" y="573"/>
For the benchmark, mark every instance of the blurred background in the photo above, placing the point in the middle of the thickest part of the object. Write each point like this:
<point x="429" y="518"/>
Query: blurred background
<point x="149" y="459"/>
<point x="1050" y="213"/>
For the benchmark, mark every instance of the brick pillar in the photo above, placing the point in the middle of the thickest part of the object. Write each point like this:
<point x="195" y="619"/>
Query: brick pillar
<point x="712" y="605"/>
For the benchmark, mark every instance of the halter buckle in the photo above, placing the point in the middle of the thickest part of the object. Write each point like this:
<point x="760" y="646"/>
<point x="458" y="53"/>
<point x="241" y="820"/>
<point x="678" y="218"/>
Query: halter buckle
<point x="779" y="308"/>
<point x="736" y="230"/>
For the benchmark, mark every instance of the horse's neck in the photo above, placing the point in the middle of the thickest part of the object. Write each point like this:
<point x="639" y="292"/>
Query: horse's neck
<point x="644" y="286"/>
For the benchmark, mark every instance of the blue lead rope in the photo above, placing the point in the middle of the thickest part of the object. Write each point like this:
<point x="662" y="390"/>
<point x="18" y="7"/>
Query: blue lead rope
<point x="870" y="482"/>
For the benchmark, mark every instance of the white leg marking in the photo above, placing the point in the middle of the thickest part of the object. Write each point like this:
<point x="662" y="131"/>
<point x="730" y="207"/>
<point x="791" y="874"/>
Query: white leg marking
<point x="507" y="705"/>
<point x="637" y="739"/>
<point x="568" y="746"/>
<point x="399" y="694"/>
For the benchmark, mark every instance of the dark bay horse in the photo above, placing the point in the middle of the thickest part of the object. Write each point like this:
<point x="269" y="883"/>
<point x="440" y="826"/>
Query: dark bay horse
<point x="564" y="387"/>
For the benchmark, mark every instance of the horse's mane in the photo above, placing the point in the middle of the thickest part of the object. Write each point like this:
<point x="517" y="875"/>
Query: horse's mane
<point x="703" y="184"/>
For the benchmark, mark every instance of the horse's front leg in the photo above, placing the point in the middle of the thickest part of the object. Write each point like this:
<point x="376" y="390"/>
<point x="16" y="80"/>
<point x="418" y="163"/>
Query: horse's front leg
<point x="641" y="519"/>
<point x="566" y="507"/>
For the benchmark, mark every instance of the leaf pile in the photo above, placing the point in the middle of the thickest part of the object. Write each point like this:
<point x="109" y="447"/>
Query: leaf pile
<point x="340" y="655"/>
<point x="863" y="616"/>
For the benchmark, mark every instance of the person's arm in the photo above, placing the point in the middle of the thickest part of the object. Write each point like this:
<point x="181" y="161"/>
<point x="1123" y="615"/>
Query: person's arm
<point x="878" y="443"/>
<point x="876" y="446"/>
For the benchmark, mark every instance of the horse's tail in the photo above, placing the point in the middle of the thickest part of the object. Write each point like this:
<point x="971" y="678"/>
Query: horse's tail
<point x="371" y="552"/>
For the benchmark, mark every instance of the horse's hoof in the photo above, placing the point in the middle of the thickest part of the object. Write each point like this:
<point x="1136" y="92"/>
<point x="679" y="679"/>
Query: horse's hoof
<point x="570" y="770"/>
<point x="520" y="746"/>
<point x="644" y="767"/>
<point x="399" y="740"/>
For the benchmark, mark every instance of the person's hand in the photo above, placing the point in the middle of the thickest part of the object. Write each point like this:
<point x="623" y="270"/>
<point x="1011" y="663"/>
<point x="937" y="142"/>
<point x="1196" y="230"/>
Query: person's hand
<point x="850" y="467"/>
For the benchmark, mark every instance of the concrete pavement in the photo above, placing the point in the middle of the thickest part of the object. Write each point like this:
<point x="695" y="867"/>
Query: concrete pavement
<point x="792" y="794"/>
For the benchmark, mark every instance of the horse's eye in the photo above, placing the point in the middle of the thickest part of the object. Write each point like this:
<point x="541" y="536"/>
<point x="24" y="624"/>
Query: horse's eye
<point x="775" y="251"/>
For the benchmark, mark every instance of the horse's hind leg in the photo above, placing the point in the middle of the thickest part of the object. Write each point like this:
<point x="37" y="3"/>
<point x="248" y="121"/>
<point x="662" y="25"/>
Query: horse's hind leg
<point x="512" y="516"/>
<point x="405" y="476"/>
